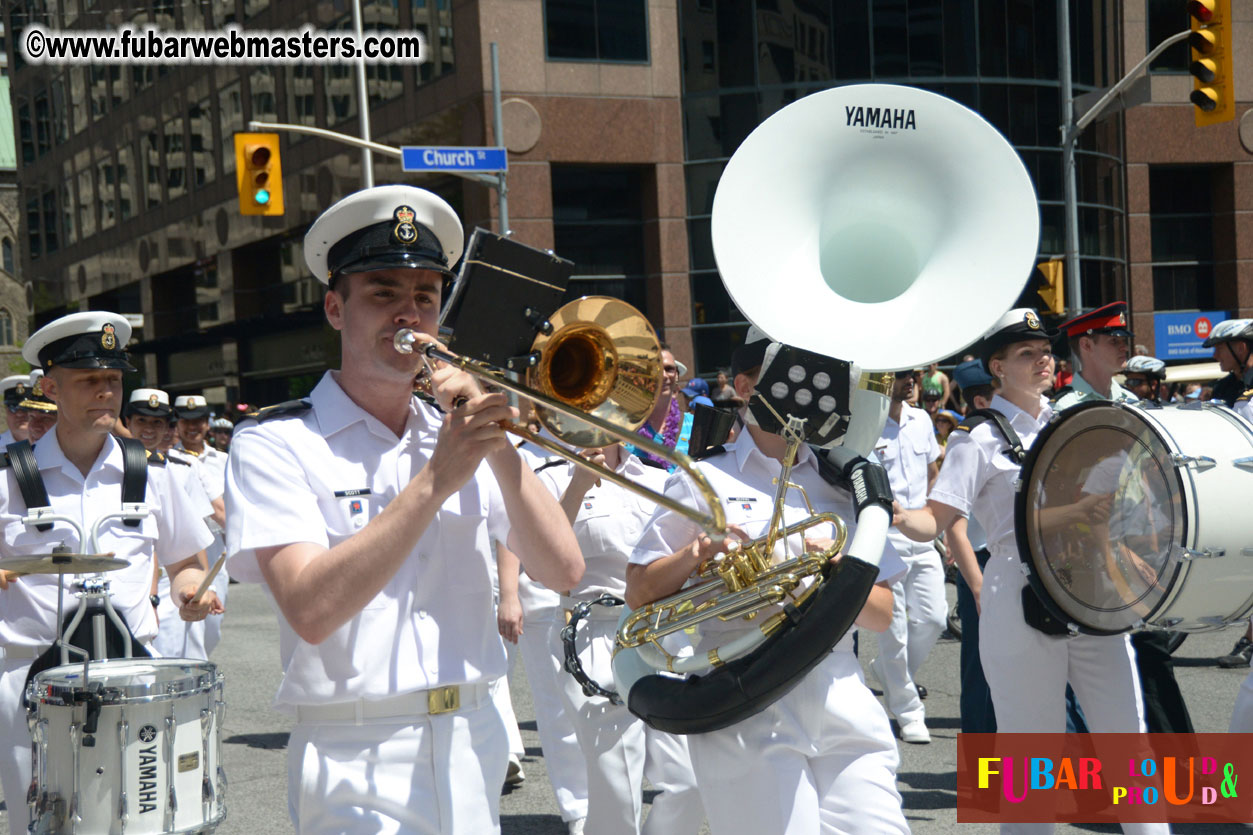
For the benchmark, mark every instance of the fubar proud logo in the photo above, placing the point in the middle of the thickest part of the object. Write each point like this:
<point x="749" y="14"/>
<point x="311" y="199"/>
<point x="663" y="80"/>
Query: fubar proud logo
<point x="1103" y="778"/>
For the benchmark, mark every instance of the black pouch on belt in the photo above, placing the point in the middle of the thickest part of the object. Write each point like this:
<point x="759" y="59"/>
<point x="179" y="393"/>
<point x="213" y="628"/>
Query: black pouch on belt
<point x="1037" y="615"/>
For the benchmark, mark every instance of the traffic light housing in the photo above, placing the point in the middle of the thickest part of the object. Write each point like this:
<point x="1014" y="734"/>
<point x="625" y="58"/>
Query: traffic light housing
<point x="1213" y="86"/>
<point x="259" y="174"/>
<point x="1050" y="285"/>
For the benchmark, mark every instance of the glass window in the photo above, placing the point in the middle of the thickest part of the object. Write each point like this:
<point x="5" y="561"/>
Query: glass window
<point x="891" y="39"/>
<point x="87" y="196"/>
<point x="992" y="46"/>
<point x="926" y="44"/>
<point x="60" y="111"/>
<point x="1181" y="208"/>
<point x="596" y="30"/>
<point x="79" y="104"/>
<point x="261" y="89"/>
<point x="99" y="91"/>
<point x="128" y="191"/>
<point x="107" y="181"/>
<point x="43" y="123"/>
<point x="150" y="155"/>
<point x="959" y="37"/>
<point x="200" y="124"/>
<point x="598" y="224"/>
<point x="26" y="132"/>
<point x="252" y="8"/>
<point x="434" y="20"/>
<point x="175" y="159"/>
<point x="1019" y="31"/>
<point x="34" y="225"/>
<point x="6" y="324"/>
<point x="1183" y="287"/>
<point x="51" y="219"/>
<point x="230" y="120"/>
<point x="69" y="226"/>
<point x="6" y="247"/>
<point x="119" y="84"/>
<point x="302" y="108"/>
<point x="341" y="92"/>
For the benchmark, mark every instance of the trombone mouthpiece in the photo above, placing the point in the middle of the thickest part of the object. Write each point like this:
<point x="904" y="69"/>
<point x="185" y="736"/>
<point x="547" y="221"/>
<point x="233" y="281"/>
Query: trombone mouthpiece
<point x="405" y="340"/>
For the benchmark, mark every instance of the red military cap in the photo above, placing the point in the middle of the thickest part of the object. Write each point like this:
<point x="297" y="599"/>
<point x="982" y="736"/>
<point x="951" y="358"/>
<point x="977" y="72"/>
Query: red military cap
<point x="1111" y="319"/>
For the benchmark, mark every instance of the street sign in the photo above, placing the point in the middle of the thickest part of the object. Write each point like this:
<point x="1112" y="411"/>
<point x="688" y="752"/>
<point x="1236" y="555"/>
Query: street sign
<point x="483" y="160"/>
<point x="1179" y="335"/>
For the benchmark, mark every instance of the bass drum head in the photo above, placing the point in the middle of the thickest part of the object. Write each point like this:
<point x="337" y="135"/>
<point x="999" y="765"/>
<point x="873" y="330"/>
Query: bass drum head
<point x="1099" y="515"/>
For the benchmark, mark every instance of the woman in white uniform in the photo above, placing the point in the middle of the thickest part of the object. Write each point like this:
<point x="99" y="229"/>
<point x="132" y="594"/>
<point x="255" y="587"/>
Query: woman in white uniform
<point x="620" y="749"/>
<point x="1026" y="669"/>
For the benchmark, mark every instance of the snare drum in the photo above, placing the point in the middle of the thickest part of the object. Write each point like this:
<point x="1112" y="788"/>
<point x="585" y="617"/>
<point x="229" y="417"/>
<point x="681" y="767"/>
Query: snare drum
<point x="1130" y="516"/>
<point x="138" y="750"/>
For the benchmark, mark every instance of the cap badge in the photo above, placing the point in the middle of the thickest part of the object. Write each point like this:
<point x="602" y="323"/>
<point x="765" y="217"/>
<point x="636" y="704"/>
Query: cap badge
<point x="108" y="340"/>
<point x="153" y="401"/>
<point x="20" y="388"/>
<point x="1032" y="320"/>
<point x="38" y="390"/>
<point x="1122" y="320"/>
<point x="405" y="232"/>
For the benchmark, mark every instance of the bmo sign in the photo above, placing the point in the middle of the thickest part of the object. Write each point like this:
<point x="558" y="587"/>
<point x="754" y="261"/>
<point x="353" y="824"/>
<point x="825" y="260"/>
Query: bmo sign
<point x="1179" y="336"/>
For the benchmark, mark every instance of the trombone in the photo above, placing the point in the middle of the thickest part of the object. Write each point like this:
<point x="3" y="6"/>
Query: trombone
<point x="593" y="376"/>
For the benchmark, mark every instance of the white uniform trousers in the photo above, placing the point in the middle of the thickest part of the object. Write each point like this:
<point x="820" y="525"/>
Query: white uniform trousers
<point x="567" y="767"/>
<point x="919" y="611"/>
<point x="15" y="772"/>
<point x="668" y="767"/>
<point x="176" y="638"/>
<point x="820" y="760"/>
<point x="617" y="748"/>
<point x="438" y="775"/>
<point x="504" y="705"/>
<point x="1027" y="672"/>
<point x="1242" y="713"/>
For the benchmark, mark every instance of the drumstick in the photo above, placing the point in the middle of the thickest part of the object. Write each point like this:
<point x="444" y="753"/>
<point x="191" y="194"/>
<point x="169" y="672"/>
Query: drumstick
<point x="208" y="578"/>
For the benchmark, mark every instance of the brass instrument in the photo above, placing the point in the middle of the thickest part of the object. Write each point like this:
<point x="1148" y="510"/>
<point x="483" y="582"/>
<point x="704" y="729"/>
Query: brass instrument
<point x="739" y="583"/>
<point x="595" y="380"/>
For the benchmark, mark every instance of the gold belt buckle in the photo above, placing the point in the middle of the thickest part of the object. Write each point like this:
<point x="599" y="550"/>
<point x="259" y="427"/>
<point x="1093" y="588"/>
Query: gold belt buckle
<point x="443" y="699"/>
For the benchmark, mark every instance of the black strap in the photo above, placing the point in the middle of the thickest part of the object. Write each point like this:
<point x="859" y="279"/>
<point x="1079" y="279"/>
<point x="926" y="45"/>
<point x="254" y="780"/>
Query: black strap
<point x="134" y="475"/>
<point x="1015" y="452"/>
<point x="29" y="481"/>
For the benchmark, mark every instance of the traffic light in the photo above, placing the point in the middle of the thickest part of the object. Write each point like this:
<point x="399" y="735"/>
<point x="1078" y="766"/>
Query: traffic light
<point x="1213" y="88"/>
<point x="259" y="174"/>
<point x="1050" y="285"/>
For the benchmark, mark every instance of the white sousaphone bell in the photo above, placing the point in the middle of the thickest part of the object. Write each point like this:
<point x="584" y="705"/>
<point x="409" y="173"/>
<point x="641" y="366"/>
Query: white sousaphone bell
<point x="880" y="224"/>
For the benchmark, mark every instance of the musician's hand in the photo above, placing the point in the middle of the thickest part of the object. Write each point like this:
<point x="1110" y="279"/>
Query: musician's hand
<point x="449" y="385"/>
<point x="471" y="432"/>
<point x="898" y="513"/>
<point x="818" y="544"/>
<point x="509" y="618"/>
<point x="1094" y="508"/>
<point x="7" y="577"/>
<point x="706" y="547"/>
<point x="583" y="478"/>
<point x="208" y="605"/>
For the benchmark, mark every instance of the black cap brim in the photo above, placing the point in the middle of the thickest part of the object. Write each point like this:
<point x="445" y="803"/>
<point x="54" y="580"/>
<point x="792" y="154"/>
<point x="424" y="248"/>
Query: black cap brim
<point x="394" y="261"/>
<point x="192" y="414"/>
<point x="147" y="411"/>
<point x="113" y="363"/>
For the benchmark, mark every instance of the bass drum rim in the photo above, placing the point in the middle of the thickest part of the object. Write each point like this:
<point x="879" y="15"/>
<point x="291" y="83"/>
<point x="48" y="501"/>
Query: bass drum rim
<point x="1024" y="497"/>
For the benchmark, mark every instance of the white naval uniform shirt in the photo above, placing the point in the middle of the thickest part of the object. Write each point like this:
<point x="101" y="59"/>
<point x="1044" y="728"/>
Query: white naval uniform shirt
<point x="609" y="523"/>
<point x="1081" y="391"/>
<point x="6" y="438"/>
<point x="906" y="449"/>
<point x="978" y="478"/>
<point x="173" y="530"/>
<point x="742" y="478"/>
<point x="319" y="477"/>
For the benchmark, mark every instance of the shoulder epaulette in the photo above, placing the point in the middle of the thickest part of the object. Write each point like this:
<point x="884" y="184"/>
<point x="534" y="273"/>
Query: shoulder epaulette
<point x="156" y="459"/>
<point x="1248" y="394"/>
<point x="1060" y="393"/>
<point x="555" y="462"/>
<point x="4" y="460"/>
<point x="174" y="459"/>
<point x="430" y="401"/>
<point x="291" y="408"/>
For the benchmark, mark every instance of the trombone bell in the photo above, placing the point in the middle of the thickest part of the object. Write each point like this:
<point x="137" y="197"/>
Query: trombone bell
<point x="601" y="358"/>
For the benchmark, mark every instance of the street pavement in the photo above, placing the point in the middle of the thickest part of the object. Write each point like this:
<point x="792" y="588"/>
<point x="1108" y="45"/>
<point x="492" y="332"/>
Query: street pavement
<point x="255" y="737"/>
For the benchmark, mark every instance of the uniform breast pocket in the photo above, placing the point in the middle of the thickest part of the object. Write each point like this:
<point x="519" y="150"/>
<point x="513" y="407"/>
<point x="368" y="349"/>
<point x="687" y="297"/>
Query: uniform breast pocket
<point x="348" y="515"/>
<point x="24" y="541"/>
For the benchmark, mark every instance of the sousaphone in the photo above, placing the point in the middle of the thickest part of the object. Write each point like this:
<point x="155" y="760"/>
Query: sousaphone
<point x="883" y="225"/>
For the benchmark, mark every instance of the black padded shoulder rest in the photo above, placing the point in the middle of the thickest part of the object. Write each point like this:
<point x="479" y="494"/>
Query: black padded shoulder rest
<point x="746" y="686"/>
<point x="21" y="457"/>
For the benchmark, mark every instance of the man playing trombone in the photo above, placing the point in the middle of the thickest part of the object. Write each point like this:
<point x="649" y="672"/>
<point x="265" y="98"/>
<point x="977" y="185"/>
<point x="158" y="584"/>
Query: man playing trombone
<point x="821" y="758"/>
<point x="370" y="518"/>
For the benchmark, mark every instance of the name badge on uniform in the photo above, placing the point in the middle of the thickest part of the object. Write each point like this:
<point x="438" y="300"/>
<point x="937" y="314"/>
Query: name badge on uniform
<point x="355" y="505"/>
<point x="745" y="503"/>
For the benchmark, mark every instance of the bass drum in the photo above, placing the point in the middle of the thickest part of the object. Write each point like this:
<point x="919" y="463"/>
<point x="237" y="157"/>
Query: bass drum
<point x="1130" y="516"/>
